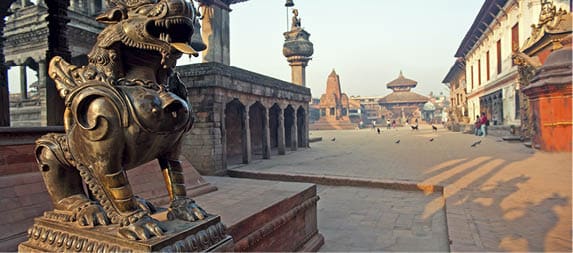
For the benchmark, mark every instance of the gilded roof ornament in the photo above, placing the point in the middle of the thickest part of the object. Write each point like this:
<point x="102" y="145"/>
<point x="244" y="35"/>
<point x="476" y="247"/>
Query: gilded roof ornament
<point x="551" y="21"/>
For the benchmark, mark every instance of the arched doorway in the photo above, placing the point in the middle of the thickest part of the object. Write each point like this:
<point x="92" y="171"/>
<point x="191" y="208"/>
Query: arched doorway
<point x="234" y="111"/>
<point x="289" y="115"/>
<point x="257" y="126"/>
<point x="301" y="126"/>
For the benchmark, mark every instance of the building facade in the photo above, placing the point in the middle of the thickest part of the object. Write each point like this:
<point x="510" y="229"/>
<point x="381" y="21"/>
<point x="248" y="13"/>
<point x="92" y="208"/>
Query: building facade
<point x="492" y="86"/>
<point x="372" y="111"/>
<point x="455" y="79"/>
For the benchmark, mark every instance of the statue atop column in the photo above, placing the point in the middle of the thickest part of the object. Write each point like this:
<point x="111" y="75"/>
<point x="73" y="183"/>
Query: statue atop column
<point x="125" y="108"/>
<point x="297" y="49"/>
<point x="295" y="21"/>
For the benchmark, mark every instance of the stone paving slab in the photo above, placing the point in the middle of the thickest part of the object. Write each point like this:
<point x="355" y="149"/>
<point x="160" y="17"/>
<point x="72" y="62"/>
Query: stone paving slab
<point x="374" y="219"/>
<point x="499" y="196"/>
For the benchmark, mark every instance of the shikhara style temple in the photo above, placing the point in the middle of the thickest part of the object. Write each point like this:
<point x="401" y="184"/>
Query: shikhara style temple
<point x="402" y="104"/>
<point x="334" y="107"/>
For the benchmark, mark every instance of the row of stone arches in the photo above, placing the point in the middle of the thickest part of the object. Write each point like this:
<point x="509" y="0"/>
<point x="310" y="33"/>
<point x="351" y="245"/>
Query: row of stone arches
<point x="257" y="131"/>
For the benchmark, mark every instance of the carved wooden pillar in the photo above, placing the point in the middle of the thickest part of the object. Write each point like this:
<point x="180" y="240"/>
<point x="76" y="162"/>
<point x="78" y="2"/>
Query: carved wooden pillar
<point x="281" y="132"/>
<point x="294" y="132"/>
<point x="266" y="135"/>
<point x="246" y="136"/>
<point x="53" y="108"/>
<point x="4" y="101"/>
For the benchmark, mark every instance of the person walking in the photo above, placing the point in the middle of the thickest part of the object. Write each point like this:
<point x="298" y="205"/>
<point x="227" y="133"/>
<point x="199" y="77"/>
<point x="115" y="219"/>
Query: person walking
<point x="477" y="126"/>
<point x="387" y="124"/>
<point x="484" y="122"/>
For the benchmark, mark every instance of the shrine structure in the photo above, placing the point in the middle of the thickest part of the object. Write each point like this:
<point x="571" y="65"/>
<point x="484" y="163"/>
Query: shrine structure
<point x="544" y="68"/>
<point x="334" y="107"/>
<point x="402" y="104"/>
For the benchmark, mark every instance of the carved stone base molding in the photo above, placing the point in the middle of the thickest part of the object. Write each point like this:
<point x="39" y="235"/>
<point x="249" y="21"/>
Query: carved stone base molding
<point x="48" y="235"/>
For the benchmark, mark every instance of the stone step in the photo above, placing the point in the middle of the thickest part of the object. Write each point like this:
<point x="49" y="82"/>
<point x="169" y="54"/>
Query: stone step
<point x="314" y="139"/>
<point x="512" y="138"/>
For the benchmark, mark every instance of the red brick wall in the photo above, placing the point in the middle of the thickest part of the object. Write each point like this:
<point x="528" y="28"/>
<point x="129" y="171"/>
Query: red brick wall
<point x="16" y="159"/>
<point x="22" y="197"/>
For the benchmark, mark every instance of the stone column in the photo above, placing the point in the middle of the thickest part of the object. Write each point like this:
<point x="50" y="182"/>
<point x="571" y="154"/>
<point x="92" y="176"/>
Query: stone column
<point x="57" y="18"/>
<point x="266" y="135"/>
<point x="23" y="83"/>
<point x="4" y="97"/>
<point x="246" y="137"/>
<point x="294" y="133"/>
<point x="298" y="72"/>
<point x="304" y="142"/>
<point x="215" y="33"/>
<point x="281" y="133"/>
<point x="42" y="80"/>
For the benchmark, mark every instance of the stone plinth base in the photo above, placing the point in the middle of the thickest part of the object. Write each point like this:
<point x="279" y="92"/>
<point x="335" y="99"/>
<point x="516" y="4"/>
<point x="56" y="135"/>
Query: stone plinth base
<point x="265" y="215"/>
<point x="52" y="236"/>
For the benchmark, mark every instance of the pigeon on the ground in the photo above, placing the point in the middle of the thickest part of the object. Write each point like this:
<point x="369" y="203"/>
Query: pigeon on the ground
<point x="434" y="128"/>
<point x="432" y="139"/>
<point x="398" y="141"/>
<point x="476" y="143"/>
<point x="333" y="139"/>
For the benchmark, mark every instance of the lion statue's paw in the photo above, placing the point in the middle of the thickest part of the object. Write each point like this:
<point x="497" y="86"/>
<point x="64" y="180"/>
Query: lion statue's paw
<point x="85" y="212"/>
<point x="185" y="209"/>
<point x="142" y="229"/>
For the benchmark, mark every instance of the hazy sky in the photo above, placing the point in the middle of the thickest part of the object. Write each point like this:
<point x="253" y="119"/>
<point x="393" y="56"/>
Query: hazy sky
<point x="368" y="42"/>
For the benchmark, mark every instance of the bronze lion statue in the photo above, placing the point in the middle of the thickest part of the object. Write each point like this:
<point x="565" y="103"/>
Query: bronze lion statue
<point x="123" y="109"/>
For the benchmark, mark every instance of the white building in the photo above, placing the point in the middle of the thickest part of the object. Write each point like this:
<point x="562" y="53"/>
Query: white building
<point x="500" y="28"/>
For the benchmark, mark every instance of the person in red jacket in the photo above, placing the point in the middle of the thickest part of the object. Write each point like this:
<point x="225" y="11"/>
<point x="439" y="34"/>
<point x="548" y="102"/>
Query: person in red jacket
<point x="484" y="122"/>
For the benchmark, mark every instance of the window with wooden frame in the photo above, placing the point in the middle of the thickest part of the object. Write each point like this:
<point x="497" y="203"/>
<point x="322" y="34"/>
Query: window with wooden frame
<point x="514" y="39"/>
<point x="479" y="72"/>
<point x="498" y="56"/>
<point x="472" y="70"/>
<point x="487" y="65"/>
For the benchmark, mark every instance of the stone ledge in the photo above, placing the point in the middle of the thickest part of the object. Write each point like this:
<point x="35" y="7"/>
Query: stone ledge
<point x="337" y="181"/>
<point x="218" y="69"/>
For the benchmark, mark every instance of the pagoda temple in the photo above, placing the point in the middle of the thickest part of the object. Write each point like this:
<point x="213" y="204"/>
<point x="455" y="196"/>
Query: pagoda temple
<point x="334" y="107"/>
<point x="402" y="104"/>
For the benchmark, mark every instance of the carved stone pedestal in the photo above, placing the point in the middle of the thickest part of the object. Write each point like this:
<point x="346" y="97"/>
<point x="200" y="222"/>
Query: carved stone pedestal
<point x="48" y="235"/>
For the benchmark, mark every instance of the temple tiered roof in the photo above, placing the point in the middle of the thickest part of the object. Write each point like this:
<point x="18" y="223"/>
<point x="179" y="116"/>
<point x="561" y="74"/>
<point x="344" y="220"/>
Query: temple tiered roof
<point x="401" y="82"/>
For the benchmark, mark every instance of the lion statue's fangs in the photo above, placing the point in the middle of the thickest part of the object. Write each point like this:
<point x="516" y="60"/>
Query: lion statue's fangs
<point x="123" y="109"/>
